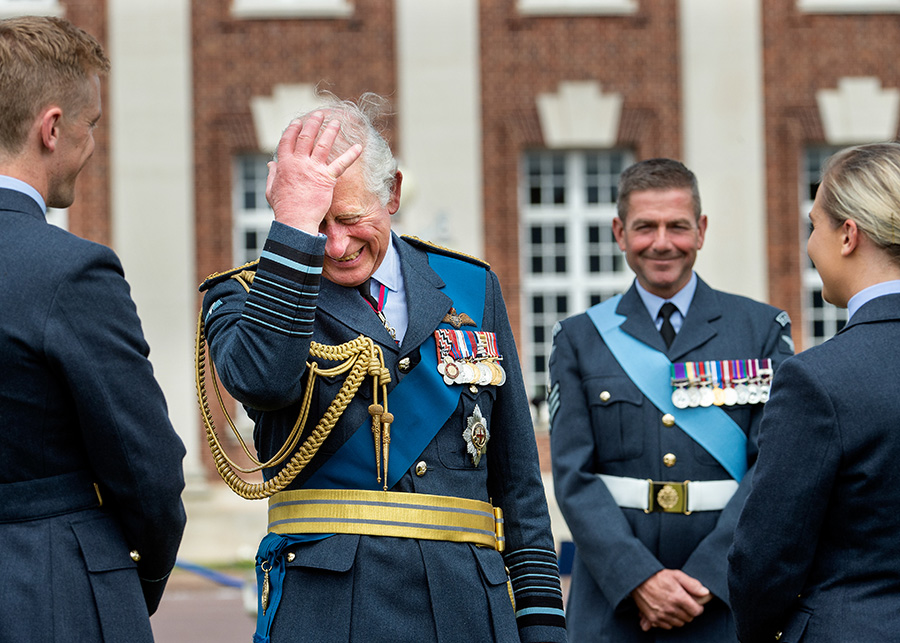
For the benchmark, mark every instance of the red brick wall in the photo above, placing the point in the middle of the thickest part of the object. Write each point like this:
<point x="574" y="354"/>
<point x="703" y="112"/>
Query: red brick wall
<point x="90" y="214"/>
<point x="236" y="59"/>
<point x="521" y="57"/>
<point x="804" y="53"/>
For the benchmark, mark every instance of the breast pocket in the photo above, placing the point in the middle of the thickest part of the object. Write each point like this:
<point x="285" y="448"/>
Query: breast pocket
<point x="453" y="447"/>
<point x="616" y="408"/>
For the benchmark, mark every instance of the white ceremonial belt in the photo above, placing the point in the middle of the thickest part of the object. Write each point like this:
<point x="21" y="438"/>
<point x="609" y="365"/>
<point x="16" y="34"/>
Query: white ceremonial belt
<point x="670" y="497"/>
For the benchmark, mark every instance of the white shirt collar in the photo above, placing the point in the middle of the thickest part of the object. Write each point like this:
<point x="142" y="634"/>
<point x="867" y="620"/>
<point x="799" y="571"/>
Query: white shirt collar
<point x="682" y="299"/>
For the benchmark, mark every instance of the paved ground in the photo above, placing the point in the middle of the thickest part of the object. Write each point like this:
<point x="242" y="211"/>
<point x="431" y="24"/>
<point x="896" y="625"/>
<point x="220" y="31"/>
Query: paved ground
<point x="195" y="609"/>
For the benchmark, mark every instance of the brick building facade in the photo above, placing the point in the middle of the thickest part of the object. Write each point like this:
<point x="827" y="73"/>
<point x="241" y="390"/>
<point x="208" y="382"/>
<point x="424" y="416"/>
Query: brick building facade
<point x="498" y="103"/>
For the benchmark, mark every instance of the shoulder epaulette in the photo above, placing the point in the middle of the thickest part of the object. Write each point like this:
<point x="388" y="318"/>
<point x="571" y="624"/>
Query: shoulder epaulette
<point x="243" y="274"/>
<point x="433" y="247"/>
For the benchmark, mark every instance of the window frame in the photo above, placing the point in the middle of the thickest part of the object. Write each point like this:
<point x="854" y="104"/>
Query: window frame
<point x="578" y="285"/>
<point x="815" y="311"/>
<point x="245" y="220"/>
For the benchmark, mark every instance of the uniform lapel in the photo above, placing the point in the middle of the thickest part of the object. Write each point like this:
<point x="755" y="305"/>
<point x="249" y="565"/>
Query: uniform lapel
<point x="348" y="307"/>
<point x="698" y="328"/>
<point x="637" y="322"/>
<point x="426" y="303"/>
<point x="695" y="331"/>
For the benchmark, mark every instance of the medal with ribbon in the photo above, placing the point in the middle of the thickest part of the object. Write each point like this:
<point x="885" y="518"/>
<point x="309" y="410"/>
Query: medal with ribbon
<point x="721" y="382"/>
<point x="469" y="357"/>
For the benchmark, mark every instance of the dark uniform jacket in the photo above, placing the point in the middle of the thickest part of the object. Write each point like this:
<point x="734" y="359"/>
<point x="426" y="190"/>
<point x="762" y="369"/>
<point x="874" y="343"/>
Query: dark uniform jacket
<point x="79" y="407"/>
<point x="374" y="588"/>
<point x="815" y="552"/>
<point x="622" y="434"/>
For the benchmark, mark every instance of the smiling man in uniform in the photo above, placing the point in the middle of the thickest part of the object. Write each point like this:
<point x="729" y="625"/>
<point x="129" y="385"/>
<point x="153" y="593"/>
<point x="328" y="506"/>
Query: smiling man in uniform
<point x="648" y="390"/>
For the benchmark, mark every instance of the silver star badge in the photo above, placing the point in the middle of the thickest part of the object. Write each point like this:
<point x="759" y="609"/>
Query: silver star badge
<point x="476" y="435"/>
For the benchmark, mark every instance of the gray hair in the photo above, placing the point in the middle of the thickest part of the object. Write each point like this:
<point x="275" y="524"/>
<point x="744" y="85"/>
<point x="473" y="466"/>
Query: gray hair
<point x="862" y="183"/>
<point x="358" y="121"/>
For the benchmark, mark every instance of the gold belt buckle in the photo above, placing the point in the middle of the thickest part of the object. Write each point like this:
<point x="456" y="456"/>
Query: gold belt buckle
<point x="668" y="497"/>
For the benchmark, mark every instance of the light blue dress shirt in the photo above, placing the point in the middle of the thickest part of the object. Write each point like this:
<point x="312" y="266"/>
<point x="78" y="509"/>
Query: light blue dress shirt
<point x="10" y="183"/>
<point x="866" y="295"/>
<point x="389" y="274"/>
<point x="682" y="300"/>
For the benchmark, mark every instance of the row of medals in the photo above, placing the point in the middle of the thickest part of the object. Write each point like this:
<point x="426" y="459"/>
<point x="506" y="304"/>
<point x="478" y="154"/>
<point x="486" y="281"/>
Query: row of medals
<point x="480" y="372"/>
<point x="469" y="357"/>
<point x="710" y="392"/>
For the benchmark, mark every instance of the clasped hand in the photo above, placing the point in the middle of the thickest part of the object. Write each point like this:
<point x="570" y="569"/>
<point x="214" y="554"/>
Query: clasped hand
<point x="670" y="598"/>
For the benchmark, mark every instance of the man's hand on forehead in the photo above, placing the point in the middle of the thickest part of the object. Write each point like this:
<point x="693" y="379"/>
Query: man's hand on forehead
<point x="301" y="182"/>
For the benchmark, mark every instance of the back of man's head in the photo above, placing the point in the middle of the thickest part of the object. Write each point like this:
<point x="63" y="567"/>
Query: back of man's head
<point x="43" y="61"/>
<point x="656" y="174"/>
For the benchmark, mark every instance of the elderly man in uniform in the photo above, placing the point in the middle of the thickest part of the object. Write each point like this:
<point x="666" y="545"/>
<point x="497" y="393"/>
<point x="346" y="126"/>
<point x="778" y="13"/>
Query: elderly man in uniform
<point x="649" y="390"/>
<point x="390" y="529"/>
<point x="90" y="467"/>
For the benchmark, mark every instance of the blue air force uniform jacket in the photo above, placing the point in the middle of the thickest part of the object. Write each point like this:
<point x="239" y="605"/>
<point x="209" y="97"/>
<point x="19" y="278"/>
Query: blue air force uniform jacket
<point x="815" y="552"/>
<point x="375" y="589"/>
<point x="622" y="434"/>
<point x="79" y="407"/>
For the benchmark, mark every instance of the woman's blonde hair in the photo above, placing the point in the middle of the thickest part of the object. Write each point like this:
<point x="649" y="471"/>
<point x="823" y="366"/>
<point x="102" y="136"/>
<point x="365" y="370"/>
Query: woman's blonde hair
<point x="862" y="183"/>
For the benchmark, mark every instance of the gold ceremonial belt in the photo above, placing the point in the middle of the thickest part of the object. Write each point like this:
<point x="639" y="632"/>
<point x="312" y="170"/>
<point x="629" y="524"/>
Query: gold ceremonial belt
<point x="386" y="513"/>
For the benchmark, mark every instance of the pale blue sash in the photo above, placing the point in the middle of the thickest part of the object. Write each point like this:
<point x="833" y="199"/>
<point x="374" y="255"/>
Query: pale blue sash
<point x="649" y="368"/>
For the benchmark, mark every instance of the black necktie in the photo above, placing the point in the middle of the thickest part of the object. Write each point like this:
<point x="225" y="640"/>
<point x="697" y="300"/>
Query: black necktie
<point x="667" y="330"/>
<point x="366" y="293"/>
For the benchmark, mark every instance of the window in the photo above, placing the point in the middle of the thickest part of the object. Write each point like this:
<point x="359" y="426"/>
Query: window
<point x="13" y="8"/>
<point x="821" y="320"/>
<point x="252" y="213"/>
<point x="570" y="258"/>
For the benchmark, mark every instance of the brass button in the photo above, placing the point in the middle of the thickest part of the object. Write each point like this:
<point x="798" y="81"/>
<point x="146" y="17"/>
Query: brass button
<point x="668" y="419"/>
<point x="604" y="396"/>
<point x="135" y="556"/>
<point x="404" y="365"/>
<point x="291" y="556"/>
<point x="669" y="459"/>
<point x="473" y="389"/>
<point x="421" y="468"/>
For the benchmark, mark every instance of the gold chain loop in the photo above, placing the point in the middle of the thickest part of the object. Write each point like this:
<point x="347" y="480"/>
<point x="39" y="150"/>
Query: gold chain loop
<point x="359" y="357"/>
